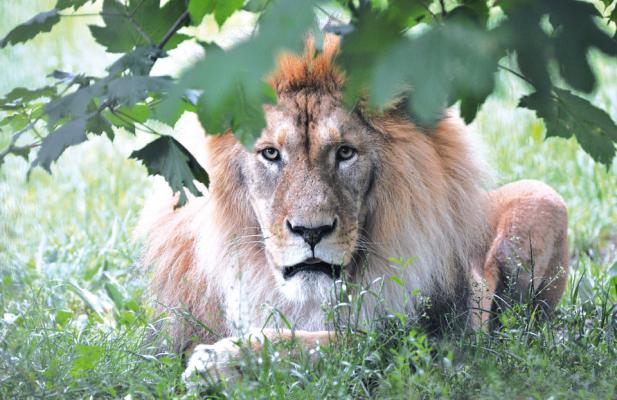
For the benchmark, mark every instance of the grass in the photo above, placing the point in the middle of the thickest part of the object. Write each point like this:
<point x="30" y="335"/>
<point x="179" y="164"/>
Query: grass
<point x="73" y="323"/>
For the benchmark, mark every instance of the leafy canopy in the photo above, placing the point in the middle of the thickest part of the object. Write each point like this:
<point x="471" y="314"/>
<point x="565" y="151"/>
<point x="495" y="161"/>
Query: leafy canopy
<point x="435" y="55"/>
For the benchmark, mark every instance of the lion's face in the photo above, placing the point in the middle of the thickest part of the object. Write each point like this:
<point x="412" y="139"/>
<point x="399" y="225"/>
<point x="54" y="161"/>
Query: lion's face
<point x="308" y="178"/>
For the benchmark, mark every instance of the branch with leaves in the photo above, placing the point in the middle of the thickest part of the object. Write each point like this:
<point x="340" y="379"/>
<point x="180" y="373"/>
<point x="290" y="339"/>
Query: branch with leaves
<point x="434" y="53"/>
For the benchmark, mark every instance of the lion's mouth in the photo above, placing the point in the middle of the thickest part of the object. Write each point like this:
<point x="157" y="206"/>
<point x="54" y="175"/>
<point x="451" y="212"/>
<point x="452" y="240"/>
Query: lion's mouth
<point x="313" y="265"/>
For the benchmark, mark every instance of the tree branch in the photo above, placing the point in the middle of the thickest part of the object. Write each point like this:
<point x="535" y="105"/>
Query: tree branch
<point x="518" y="74"/>
<point x="175" y="28"/>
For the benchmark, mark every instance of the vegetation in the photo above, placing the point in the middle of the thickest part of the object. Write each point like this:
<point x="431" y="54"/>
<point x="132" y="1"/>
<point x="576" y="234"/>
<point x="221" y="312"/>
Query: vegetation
<point x="74" y="323"/>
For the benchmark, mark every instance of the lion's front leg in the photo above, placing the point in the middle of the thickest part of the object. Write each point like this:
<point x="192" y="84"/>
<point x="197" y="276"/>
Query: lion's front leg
<point x="217" y="360"/>
<point x="527" y="260"/>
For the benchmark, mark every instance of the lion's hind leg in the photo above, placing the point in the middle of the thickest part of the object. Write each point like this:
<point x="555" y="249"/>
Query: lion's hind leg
<point x="528" y="258"/>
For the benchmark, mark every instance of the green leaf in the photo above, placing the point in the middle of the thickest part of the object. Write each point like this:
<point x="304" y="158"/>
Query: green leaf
<point x="141" y="22"/>
<point x="130" y="90"/>
<point x="119" y="35"/>
<point x="71" y="79"/>
<point x="98" y="125"/>
<point x="566" y="114"/>
<point x="174" y="110"/>
<point x="75" y="4"/>
<point x="87" y="356"/>
<point x="222" y="9"/>
<point x="91" y="300"/>
<point x="165" y="156"/>
<point x="62" y="317"/>
<point x="117" y="120"/>
<point x="523" y="34"/>
<point x="42" y="22"/>
<point x="225" y="8"/>
<point x="239" y="112"/>
<point x="257" y="6"/>
<point x="115" y="294"/>
<point x="139" y="112"/>
<point x="363" y="48"/>
<point x="175" y="40"/>
<point x="240" y="72"/>
<point x="138" y="61"/>
<point x="576" y="32"/>
<point x="458" y="62"/>
<point x="23" y="95"/>
<point x="74" y="104"/>
<point x="198" y="9"/>
<point x="54" y="144"/>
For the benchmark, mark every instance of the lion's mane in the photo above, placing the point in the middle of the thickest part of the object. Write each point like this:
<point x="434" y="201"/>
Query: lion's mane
<point x="426" y="202"/>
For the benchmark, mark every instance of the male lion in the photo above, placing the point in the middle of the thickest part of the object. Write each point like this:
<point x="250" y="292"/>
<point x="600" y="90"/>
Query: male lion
<point x="327" y="192"/>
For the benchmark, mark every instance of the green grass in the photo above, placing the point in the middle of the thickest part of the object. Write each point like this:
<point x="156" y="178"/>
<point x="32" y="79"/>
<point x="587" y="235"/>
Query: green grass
<point x="73" y="323"/>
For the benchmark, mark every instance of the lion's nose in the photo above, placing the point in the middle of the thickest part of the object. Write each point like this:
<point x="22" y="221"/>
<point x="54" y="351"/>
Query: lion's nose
<point x="312" y="235"/>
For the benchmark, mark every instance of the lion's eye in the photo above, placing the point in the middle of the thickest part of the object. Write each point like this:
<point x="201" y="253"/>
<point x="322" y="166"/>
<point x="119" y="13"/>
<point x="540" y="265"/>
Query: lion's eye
<point x="345" y="153"/>
<point x="271" y="154"/>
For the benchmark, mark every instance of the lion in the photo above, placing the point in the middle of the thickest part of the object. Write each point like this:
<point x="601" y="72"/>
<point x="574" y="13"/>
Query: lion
<point x="327" y="193"/>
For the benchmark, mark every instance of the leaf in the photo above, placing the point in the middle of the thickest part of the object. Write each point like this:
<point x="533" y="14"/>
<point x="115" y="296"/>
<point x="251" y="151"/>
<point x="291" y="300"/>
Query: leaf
<point x="257" y="6"/>
<point x="87" y="358"/>
<point x="566" y="114"/>
<point x="225" y="8"/>
<point x="42" y="22"/>
<point x="438" y="67"/>
<point x="74" y="104"/>
<point x="139" y="112"/>
<point x="198" y="9"/>
<point x="186" y="103"/>
<point x="98" y="125"/>
<point x="92" y="301"/>
<point x="237" y="112"/>
<point x="575" y="33"/>
<point x="130" y="90"/>
<point x="175" y="40"/>
<point x="119" y="121"/>
<point x="138" y="61"/>
<point x="222" y="9"/>
<point x="522" y="33"/>
<point x="71" y="79"/>
<point x="115" y="294"/>
<point x="75" y="4"/>
<point x="54" y="144"/>
<point x="363" y="48"/>
<point x="61" y="75"/>
<point x="19" y="151"/>
<point x="119" y="35"/>
<point x="165" y="156"/>
<point x="141" y="22"/>
<point x="397" y="280"/>
<point x="62" y="317"/>
<point x="240" y="72"/>
<point x="23" y="95"/>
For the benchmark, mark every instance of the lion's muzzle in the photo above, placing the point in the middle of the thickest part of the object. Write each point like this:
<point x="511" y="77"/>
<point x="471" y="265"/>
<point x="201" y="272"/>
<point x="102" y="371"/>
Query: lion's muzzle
<point x="312" y="235"/>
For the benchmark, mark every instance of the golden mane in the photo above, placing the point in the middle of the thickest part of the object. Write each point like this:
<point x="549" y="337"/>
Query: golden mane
<point x="311" y="70"/>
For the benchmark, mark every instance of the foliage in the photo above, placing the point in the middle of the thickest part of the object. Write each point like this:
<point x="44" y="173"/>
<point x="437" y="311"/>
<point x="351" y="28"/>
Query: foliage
<point x="436" y="55"/>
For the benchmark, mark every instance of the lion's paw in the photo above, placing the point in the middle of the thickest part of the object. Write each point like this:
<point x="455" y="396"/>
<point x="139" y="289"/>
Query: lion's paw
<point x="213" y="360"/>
